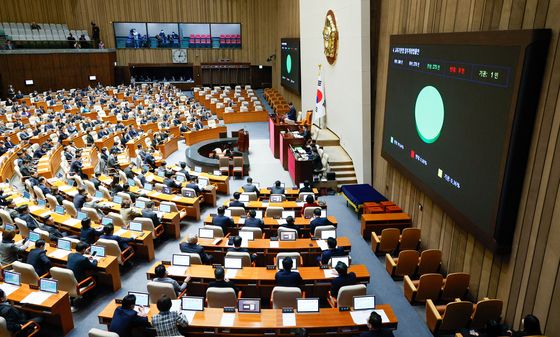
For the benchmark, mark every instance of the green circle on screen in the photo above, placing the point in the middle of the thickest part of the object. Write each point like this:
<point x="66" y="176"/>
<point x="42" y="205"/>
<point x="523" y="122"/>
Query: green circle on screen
<point x="289" y="63"/>
<point x="429" y="114"/>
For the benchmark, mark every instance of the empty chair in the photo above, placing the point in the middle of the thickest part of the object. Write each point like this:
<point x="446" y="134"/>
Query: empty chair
<point x="125" y="197"/>
<point x="257" y="232"/>
<point x="92" y="214"/>
<point x="105" y="191"/>
<point x="117" y="219"/>
<point x="112" y="249"/>
<point x="27" y="273"/>
<point x="405" y="264"/>
<point x="320" y="229"/>
<point x="346" y="295"/>
<point x="31" y="326"/>
<point x="430" y="261"/>
<point x="448" y="319"/>
<point x="51" y="199"/>
<point x="218" y="231"/>
<point x="101" y="333"/>
<point x="484" y="311"/>
<point x="308" y="211"/>
<point x="6" y="217"/>
<point x="238" y="166"/>
<point x="67" y="282"/>
<point x="245" y="257"/>
<point x="224" y="165"/>
<point x="236" y="211"/>
<point x="148" y="225"/>
<point x="221" y="297"/>
<point x="296" y="257"/>
<point x="410" y="239"/>
<point x="274" y="212"/>
<point x="159" y="187"/>
<point x="158" y="289"/>
<point x="171" y="204"/>
<point x="427" y="287"/>
<point x="22" y="227"/>
<point x="283" y="297"/>
<point x="455" y="286"/>
<point x="387" y="242"/>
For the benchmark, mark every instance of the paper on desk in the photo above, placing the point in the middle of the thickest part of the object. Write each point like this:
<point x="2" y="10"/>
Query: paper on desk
<point x="155" y="194"/>
<point x="120" y="232"/>
<point x="60" y="253"/>
<point x="189" y="314"/>
<point x="274" y="244"/>
<point x="330" y="273"/>
<point x="20" y="200"/>
<point x="362" y="316"/>
<point x="33" y="208"/>
<point x="384" y="318"/>
<point x="289" y="319"/>
<point x="177" y="270"/>
<point x="36" y="297"/>
<point x="322" y="244"/>
<point x="45" y="214"/>
<point x="241" y="221"/>
<point x="227" y="319"/>
<point x="8" y="288"/>
<point x="244" y="243"/>
<point x="177" y="197"/>
<point x="64" y="188"/>
<point x="300" y="204"/>
<point x="72" y="222"/>
<point x="175" y="305"/>
<point x="231" y="273"/>
<point x="281" y="221"/>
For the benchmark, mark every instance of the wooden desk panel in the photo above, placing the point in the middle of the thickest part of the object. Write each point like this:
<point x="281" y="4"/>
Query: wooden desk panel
<point x="287" y="139"/>
<point x="378" y="222"/>
<point x="193" y="137"/>
<point x="271" y="225"/>
<point x="245" y="117"/>
<point x="169" y="147"/>
<point x="290" y="193"/>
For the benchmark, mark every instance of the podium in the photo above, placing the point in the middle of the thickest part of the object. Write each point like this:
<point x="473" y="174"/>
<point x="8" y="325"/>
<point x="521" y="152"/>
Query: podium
<point x="300" y="168"/>
<point x="274" y="128"/>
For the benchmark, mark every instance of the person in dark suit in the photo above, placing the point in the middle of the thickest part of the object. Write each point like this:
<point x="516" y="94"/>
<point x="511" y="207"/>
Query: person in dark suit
<point x="221" y="281"/>
<point x="81" y="198"/>
<point x="88" y="234"/>
<point x="252" y="220"/>
<point x="95" y="180"/>
<point x="332" y="251"/>
<point x="15" y="318"/>
<point x="149" y="213"/>
<point x="291" y="116"/>
<point x="309" y="202"/>
<point x="343" y="279"/>
<point x="192" y="246"/>
<point x="306" y="187"/>
<point x="277" y="188"/>
<point x="237" y="241"/>
<point x="79" y="264"/>
<point x="290" y="223"/>
<point x="317" y="220"/>
<point x="249" y="187"/>
<point x="235" y="202"/>
<point x="169" y="182"/>
<point x="192" y="184"/>
<point x="286" y="277"/>
<point x="222" y="220"/>
<point x="108" y="235"/>
<point x="28" y="218"/>
<point x="184" y="170"/>
<point x="126" y="319"/>
<point x="375" y="326"/>
<point x="37" y="257"/>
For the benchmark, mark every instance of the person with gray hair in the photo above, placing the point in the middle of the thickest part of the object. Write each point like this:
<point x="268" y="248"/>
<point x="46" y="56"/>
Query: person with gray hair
<point x="191" y="246"/>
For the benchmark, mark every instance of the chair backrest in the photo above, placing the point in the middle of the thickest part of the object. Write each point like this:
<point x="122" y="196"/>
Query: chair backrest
<point x="4" y="332"/>
<point x="296" y="257"/>
<point x="257" y="232"/>
<point x="92" y="214"/>
<point x="430" y="261"/>
<point x="284" y="229"/>
<point x="27" y="273"/>
<point x="157" y="289"/>
<point x="237" y="211"/>
<point x="303" y="195"/>
<point x="194" y="257"/>
<point x="147" y="225"/>
<point x="237" y="161"/>
<point x="43" y="233"/>
<point x="274" y="212"/>
<point x="224" y="162"/>
<point x="218" y="231"/>
<point x="105" y="191"/>
<point x="410" y="238"/>
<point x="429" y="287"/>
<point x="159" y="187"/>
<point x="101" y="333"/>
<point x="22" y="227"/>
<point x="308" y="211"/>
<point x="117" y="219"/>
<point x="69" y="208"/>
<point x="252" y="195"/>
<point x="389" y="240"/>
<point x="38" y="193"/>
<point x="346" y="294"/>
<point x="125" y="196"/>
<point x="455" y="286"/>
<point x="111" y="248"/>
<point x="51" y="199"/>
<point x="456" y="316"/>
<point x="90" y="187"/>
<point x="6" y="217"/>
<point x="66" y="280"/>
<point x="221" y="297"/>
<point x="285" y="297"/>
<point x="407" y="263"/>
<point x="171" y="204"/>
<point x="484" y="311"/>
<point x="319" y="230"/>
<point x="245" y="257"/>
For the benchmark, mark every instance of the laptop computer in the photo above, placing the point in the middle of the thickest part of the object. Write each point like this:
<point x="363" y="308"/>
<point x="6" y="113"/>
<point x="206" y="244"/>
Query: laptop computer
<point x="323" y="213"/>
<point x="180" y="178"/>
<point x="181" y="260"/>
<point x="48" y="285"/>
<point x="140" y="204"/>
<point x="26" y="195"/>
<point x="189" y="194"/>
<point x="117" y="199"/>
<point x="165" y="208"/>
<point x="167" y="190"/>
<point x="249" y="305"/>
<point x="217" y="172"/>
<point x="365" y="302"/>
<point x="8" y="227"/>
<point x="286" y="214"/>
<point x="328" y="234"/>
<point x="280" y="267"/>
<point x="135" y="226"/>
<point x="307" y="305"/>
<point x="247" y="235"/>
<point x="81" y="215"/>
<point x="12" y="277"/>
<point x="276" y="198"/>
<point x="198" y="169"/>
<point x="99" y="194"/>
<point x="287" y="236"/>
<point x="202" y="182"/>
<point x="106" y="221"/>
<point x="244" y="198"/>
<point x="64" y="244"/>
<point x="192" y="303"/>
<point x="161" y="173"/>
<point x="343" y="259"/>
<point x="131" y="182"/>
<point x="98" y="250"/>
<point x="233" y="263"/>
<point x="59" y="210"/>
<point x="148" y="187"/>
<point x="205" y="233"/>
<point x="41" y="202"/>
<point x="142" y="299"/>
<point x="33" y="236"/>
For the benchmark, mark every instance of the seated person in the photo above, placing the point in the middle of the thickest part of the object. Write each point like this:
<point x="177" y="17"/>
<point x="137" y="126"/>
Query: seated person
<point x="235" y="202"/>
<point x="530" y="327"/>
<point x="79" y="264"/>
<point x="149" y="213"/>
<point x="375" y="327"/>
<point x="290" y="223"/>
<point x="23" y="214"/>
<point x="193" y="185"/>
<point x="332" y="251"/>
<point x="252" y="221"/>
<point x="161" y="276"/>
<point x="291" y="115"/>
<point x="37" y="257"/>
<point x="9" y="249"/>
<point x="192" y="246"/>
<point x="81" y="198"/>
<point x="108" y="235"/>
<point x="127" y="212"/>
<point x="184" y="170"/>
<point x="286" y="277"/>
<point x="237" y="241"/>
<point x="166" y="322"/>
<point x="277" y="188"/>
<point x="222" y="221"/>
<point x="306" y="187"/>
<point x="88" y="234"/>
<point x="309" y="202"/>
<point x="317" y="220"/>
<point x="169" y="182"/>
<point x="344" y="278"/>
<point x="126" y="318"/>
<point x="14" y="318"/>
<point x="221" y="281"/>
<point x="249" y="187"/>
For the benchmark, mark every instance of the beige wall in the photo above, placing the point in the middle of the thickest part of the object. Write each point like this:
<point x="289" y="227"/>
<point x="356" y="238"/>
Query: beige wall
<point x="527" y="279"/>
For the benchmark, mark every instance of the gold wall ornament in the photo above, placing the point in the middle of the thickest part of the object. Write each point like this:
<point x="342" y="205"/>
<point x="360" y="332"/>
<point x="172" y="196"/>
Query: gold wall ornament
<point x="330" y="37"/>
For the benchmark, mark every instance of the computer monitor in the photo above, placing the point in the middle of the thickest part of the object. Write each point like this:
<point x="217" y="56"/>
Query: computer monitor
<point x="247" y="235"/>
<point x="81" y="215"/>
<point x="244" y="198"/>
<point x="217" y="172"/>
<point x="281" y="267"/>
<point x="288" y="236"/>
<point x="323" y="213"/>
<point x="8" y="227"/>
<point x="26" y="195"/>
<point x="202" y="182"/>
<point x="276" y="198"/>
<point x="233" y="263"/>
<point x="366" y="302"/>
<point x="180" y="178"/>
<point x="165" y="208"/>
<point x="189" y="193"/>
<point x="48" y="285"/>
<point x="259" y="214"/>
<point x="148" y="186"/>
<point x="142" y="299"/>
<point x="286" y="214"/>
<point x="227" y="212"/>
<point x="106" y="221"/>
<point x="328" y="234"/>
<point x="161" y="173"/>
<point x="181" y="260"/>
<point x="249" y="305"/>
<point x="59" y="210"/>
<point x="117" y="199"/>
<point x="42" y="202"/>
<point x="167" y="190"/>
<point x="192" y="303"/>
<point x="64" y="244"/>
<point x="198" y="169"/>
<point x="12" y="277"/>
<point x="34" y="236"/>
<point x="336" y="259"/>
<point x="205" y="233"/>
<point x="99" y="250"/>
<point x="98" y="194"/>
<point x="131" y="182"/>
<point x="70" y="182"/>
<point x="140" y="204"/>
<point x="301" y="185"/>
<point x="135" y="226"/>
<point x="305" y="305"/>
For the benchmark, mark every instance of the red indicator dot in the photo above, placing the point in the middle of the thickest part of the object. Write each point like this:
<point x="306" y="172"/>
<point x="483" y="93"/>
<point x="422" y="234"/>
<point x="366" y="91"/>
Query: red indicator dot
<point x="412" y="154"/>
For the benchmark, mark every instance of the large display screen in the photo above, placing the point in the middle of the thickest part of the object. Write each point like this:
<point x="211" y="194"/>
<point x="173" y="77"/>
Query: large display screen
<point x="290" y="67"/>
<point x="458" y="121"/>
<point x="138" y="35"/>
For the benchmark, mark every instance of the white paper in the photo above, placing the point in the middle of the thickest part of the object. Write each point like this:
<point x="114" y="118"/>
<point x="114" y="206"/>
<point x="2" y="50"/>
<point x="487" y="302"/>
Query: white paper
<point x="289" y="319"/>
<point x="231" y="273"/>
<point x="8" y="288"/>
<point x="227" y="319"/>
<point x="60" y="253"/>
<point x="33" y="208"/>
<point x="322" y="244"/>
<point x="177" y="197"/>
<point x="281" y="221"/>
<point x="244" y="243"/>
<point x="360" y="316"/>
<point x="72" y="222"/>
<point x="64" y="188"/>
<point x="330" y="273"/>
<point x="177" y="270"/>
<point x="45" y="214"/>
<point x="188" y="314"/>
<point x="381" y="312"/>
<point x="241" y="221"/>
<point x="120" y="232"/>
<point x="20" y="200"/>
<point x="300" y="204"/>
<point x="36" y="297"/>
<point x="274" y="244"/>
<point x="175" y="305"/>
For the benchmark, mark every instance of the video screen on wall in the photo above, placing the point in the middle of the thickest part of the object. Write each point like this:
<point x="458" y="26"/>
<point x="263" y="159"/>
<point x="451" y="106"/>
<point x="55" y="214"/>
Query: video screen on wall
<point x="456" y="123"/>
<point x="155" y="35"/>
<point x="290" y="76"/>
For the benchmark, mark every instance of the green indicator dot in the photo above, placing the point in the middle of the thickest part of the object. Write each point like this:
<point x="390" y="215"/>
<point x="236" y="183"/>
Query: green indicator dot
<point x="429" y="114"/>
<point x="289" y="63"/>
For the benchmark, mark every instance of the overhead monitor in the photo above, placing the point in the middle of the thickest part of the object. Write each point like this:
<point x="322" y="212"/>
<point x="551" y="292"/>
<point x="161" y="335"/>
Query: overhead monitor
<point x="290" y="77"/>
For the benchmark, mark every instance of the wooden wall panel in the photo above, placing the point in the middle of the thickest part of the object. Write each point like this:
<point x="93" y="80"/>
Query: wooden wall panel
<point x="527" y="279"/>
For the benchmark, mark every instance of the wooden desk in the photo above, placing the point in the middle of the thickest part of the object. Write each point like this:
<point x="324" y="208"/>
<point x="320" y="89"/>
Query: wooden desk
<point x="132" y="144"/>
<point x="274" y="128"/>
<point x="259" y="281"/>
<point x="169" y="147"/>
<point x="193" y="137"/>
<point x="55" y="310"/>
<point x="49" y="164"/>
<point x="7" y="166"/>
<point x="378" y="222"/>
<point x="40" y="139"/>
<point x="290" y="193"/>
<point x="287" y="205"/>
<point x="191" y="205"/>
<point x="107" y="141"/>
<point x="300" y="169"/>
<point x="267" y="322"/>
<point x="245" y="117"/>
<point x="286" y="140"/>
